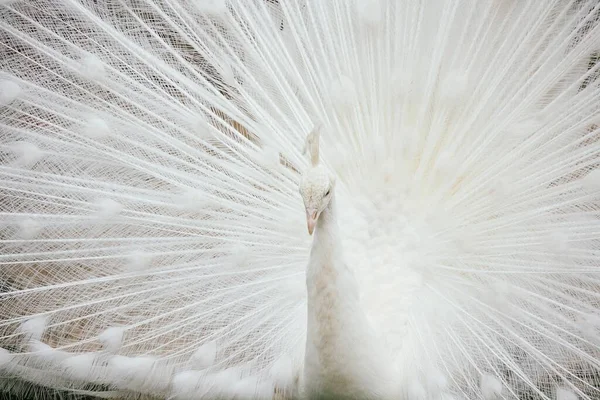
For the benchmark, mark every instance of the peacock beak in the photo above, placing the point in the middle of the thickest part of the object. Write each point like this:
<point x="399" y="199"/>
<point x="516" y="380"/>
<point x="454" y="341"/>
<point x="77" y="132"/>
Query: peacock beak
<point x="311" y="220"/>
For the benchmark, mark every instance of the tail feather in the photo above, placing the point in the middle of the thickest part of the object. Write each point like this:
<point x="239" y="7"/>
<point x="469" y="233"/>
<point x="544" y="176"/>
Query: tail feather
<point x="149" y="161"/>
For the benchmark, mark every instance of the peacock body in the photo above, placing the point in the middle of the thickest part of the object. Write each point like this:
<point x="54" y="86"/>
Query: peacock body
<point x="153" y="235"/>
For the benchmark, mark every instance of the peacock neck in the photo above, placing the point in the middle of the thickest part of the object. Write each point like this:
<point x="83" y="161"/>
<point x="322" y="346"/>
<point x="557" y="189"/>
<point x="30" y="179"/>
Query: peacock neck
<point x="327" y="260"/>
<point x="343" y="357"/>
<point x="336" y="323"/>
<point x="327" y="230"/>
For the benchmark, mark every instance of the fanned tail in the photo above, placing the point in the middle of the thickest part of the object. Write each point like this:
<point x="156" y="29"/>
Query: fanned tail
<point x="153" y="239"/>
<point x="150" y="213"/>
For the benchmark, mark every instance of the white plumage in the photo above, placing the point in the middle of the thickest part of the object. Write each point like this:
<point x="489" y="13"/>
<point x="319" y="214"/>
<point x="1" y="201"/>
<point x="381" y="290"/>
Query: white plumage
<point x="153" y="238"/>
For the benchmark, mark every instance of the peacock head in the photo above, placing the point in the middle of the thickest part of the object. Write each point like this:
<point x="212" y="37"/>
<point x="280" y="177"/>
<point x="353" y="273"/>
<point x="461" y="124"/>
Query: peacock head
<point x="317" y="184"/>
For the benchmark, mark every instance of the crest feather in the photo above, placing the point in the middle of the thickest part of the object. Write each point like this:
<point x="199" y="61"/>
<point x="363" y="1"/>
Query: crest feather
<point x="312" y="145"/>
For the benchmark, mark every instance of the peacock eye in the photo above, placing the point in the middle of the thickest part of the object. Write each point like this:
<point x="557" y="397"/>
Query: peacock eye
<point x="328" y="191"/>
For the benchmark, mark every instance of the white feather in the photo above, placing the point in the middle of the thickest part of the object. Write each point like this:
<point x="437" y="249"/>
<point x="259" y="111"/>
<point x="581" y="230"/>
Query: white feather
<point x="9" y="91"/>
<point x="282" y="372"/>
<point x="150" y="161"/>
<point x="591" y="181"/>
<point x="565" y="394"/>
<point x="416" y="391"/>
<point x="139" y="260"/>
<point x="107" y="208"/>
<point x="138" y="373"/>
<point x="343" y="92"/>
<point x="28" y="229"/>
<point x="204" y="356"/>
<point x="252" y="388"/>
<point x="212" y="7"/>
<point x="92" y="67"/>
<point x="436" y="382"/>
<point x="33" y="329"/>
<point x="112" y="338"/>
<point x="370" y="11"/>
<point x="5" y="357"/>
<point x="269" y="157"/>
<point x="590" y="327"/>
<point x="80" y="366"/>
<point x="455" y="87"/>
<point x="185" y="384"/>
<point x="26" y="153"/>
<point x="491" y="387"/>
<point x="96" y="128"/>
